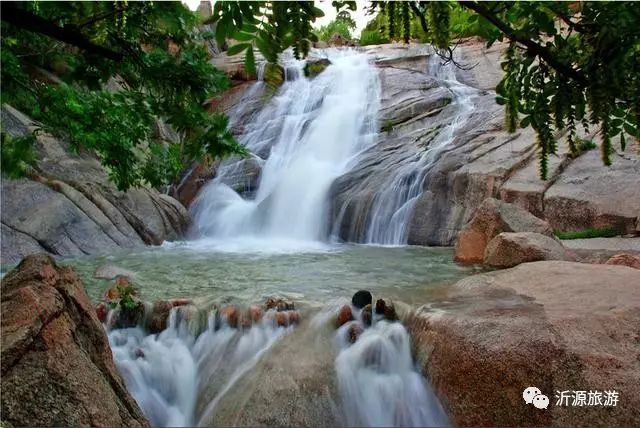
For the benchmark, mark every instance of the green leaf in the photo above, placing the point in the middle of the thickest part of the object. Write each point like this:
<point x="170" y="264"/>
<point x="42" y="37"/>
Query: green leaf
<point x="236" y="49"/>
<point x="250" y="62"/>
<point x="242" y="37"/>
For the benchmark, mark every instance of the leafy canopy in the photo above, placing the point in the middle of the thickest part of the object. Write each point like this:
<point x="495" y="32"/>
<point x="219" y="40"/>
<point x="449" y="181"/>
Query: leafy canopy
<point x="100" y="75"/>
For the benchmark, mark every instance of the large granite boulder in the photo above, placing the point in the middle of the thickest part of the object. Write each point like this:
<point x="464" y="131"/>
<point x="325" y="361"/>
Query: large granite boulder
<point x="554" y="325"/>
<point x="492" y="218"/>
<point x="589" y="195"/>
<point x="67" y="206"/>
<point x="510" y="249"/>
<point x="57" y="367"/>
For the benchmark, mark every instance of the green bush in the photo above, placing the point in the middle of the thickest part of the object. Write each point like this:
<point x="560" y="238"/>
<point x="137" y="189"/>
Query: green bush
<point x="372" y="38"/>
<point x="605" y="232"/>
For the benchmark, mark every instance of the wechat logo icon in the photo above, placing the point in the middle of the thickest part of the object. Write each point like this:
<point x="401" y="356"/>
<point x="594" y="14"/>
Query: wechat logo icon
<point x="533" y="395"/>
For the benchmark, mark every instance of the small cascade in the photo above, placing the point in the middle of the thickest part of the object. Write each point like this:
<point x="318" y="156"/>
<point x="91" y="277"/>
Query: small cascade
<point x="377" y="380"/>
<point x="179" y="375"/>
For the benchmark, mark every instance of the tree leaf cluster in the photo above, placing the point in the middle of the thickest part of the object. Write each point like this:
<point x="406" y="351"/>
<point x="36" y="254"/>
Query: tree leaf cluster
<point x="111" y="106"/>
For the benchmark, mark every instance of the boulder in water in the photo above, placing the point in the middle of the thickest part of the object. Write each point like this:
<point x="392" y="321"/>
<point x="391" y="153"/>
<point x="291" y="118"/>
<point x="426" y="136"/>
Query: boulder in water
<point x="101" y="312"/>
<point x="387" y="309"/>
<point x="492" y="218"/>
<point x="255" y="313"/>
<point x="344" y="315"/>
<point x="366" y="315"/>
<point x="361" y="299"/>
<point x="157" y="319"/>
<point x="315" y="66"/>
<point x="354" y="332"/>
<point x="110" y="272"/>
<point x="57" y="367"/>
<point x="230" y="314"/>
<point x="279" y="303"/>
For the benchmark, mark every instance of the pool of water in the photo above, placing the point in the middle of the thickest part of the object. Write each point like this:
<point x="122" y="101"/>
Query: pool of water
<point x="313" y="275"/>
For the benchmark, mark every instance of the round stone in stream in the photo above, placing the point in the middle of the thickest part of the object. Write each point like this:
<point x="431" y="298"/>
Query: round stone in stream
<point x="361" y="299"/>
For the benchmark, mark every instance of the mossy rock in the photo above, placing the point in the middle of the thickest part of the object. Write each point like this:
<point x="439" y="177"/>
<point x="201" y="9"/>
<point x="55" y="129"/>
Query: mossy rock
<point x="315" y="67"/>
<point x="273" y="74"/>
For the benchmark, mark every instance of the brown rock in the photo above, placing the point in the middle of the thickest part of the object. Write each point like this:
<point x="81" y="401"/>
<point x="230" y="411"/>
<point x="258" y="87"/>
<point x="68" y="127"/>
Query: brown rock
<point x="160" y="311"/>
<point x="492" y="218"/>
<point x="555" y="325"/>
<point x="230" y="313"/>
<point x="510" y="249"/>
<point x="110" y="272"/>
<point x="57" y="367"/>
<point x="282" y="319"/>
<point x="191" y="183"/>
<point x="101" y="312"/>
<point x="255" y="313"/>
<point x="366" y="315"/>
<point x="344" y="315"/>
<point x="294" y="317"/>
<point x="354" y="332"/>
<point x="624" y="259"/>
<point x="386" y="309"/>
<point x="279" y="303"/>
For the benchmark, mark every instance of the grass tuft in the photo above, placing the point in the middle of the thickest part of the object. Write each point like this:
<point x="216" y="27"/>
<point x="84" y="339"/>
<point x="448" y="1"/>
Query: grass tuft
<point x="605" y="232"/>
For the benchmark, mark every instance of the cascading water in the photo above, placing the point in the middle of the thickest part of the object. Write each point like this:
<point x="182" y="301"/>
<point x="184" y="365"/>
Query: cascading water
<point x="392" y="208"/>
<point x="377" y="380"/>
<point x="178" y="376"/>
<point x="308" y="133"/>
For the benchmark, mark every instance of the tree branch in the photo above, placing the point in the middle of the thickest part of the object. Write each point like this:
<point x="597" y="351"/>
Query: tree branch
<point x="420" y="15"/>
<point x="531" y="46"/>
<point x="29" y="21"/>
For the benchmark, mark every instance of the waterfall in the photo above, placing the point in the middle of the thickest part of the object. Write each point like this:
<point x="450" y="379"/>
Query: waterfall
<point x="303" y="139"/>
<point x="389" y="215"/>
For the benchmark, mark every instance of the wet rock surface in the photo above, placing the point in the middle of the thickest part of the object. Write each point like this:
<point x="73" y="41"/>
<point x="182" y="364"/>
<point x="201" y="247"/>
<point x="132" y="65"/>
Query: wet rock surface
<point x="57" y="367"/>
<point x="555" y="325"/>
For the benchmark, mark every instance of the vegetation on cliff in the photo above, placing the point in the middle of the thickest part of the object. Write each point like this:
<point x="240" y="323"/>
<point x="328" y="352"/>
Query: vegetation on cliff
<point x="100" y="74"/>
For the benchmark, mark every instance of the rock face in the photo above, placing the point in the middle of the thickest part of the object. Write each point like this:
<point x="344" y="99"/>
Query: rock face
<point x="510" y="249"/>
<point x="554" y="325"/>
<point x="492" y="218"/>
<point x="68" y="207"/>
<point x="479" y="160"/>
<point x="57" y="368"/>
<point x="624" y="259"/>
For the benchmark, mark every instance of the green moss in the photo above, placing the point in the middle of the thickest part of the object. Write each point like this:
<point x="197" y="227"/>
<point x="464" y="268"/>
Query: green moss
<point x="313" y="68"/>
<point x="273" y="74"/>
<point x="605" y="232"/>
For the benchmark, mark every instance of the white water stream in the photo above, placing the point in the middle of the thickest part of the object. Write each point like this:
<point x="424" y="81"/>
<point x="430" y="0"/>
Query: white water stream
<point x="169" y="373"/>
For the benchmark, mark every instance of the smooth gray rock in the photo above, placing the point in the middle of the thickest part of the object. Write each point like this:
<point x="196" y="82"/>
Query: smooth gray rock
<point x="67" y="206"/>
